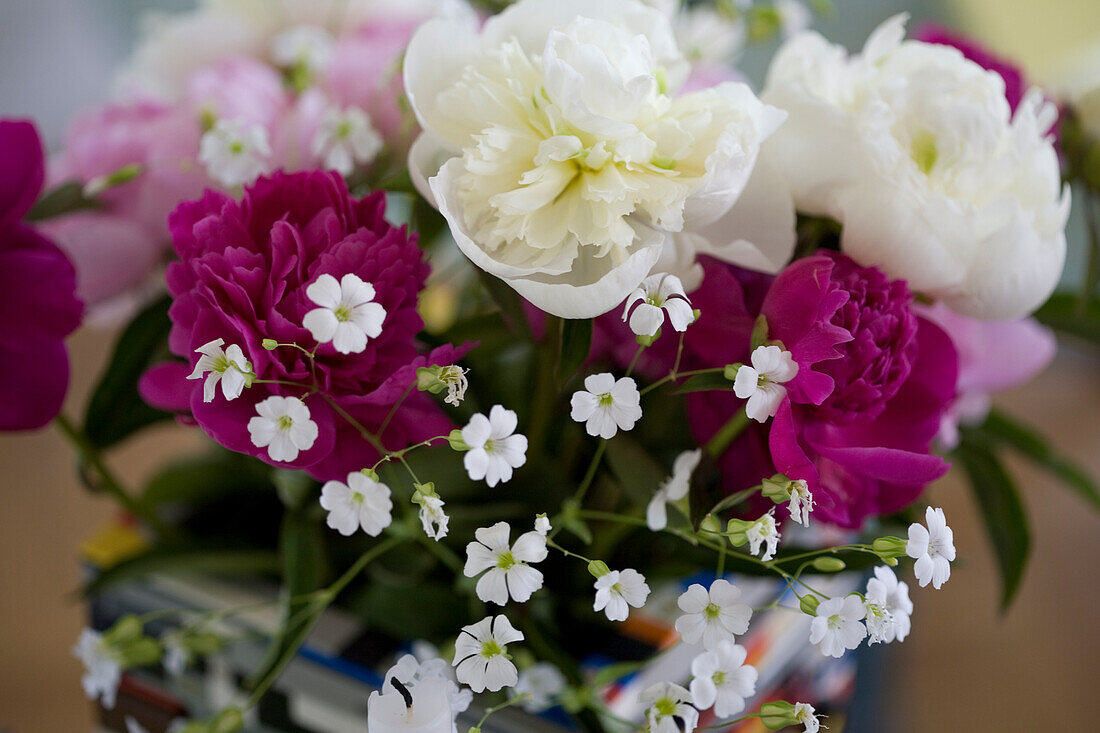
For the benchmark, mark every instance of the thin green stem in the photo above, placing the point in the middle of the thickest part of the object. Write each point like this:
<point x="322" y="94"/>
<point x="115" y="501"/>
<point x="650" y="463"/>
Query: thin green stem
<point x="721" y="440"/>
<point x="393" y="411"/>
<point x="634" y="361"/>
<point x="590" y="474"/>
<point x="367" y="435"/>
<point x="507" y="703"/>
<point x="567" y="553"/>
<point x="672" y="376"/>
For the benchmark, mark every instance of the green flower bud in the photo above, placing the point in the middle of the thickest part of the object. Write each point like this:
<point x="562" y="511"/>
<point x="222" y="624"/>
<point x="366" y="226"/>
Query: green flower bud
<point x="270" y="344"/>
<point x="828" y="564"/>
<point x="777" y="715"/>
<point x="809" y="603"/>
<point x="777" y="488"/>
<point x="227" y="721"/>
<point x="730" y="372"/>
<point x="456" y="441"/>
<point x="888" y="548"/>
<point x="710" y="523"/>
<point x="598" y="568"/>
<point x="139" y="652"/>
<point x="648" y="340"/>
<point x="126" y="630"/>
<point x="369" y="473"/>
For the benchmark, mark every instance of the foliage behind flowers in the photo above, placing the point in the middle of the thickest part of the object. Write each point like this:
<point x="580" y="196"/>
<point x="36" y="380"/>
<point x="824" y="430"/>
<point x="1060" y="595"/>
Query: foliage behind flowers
<point x="690" y="377"/>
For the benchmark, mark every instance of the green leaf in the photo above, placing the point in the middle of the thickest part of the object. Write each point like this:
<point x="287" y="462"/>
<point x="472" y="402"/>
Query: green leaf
<point x="203" y="479"/>
<point x="636" y="470"/>
<point x="217" y="560"/>
<point x="66" y="198"/>
<point x="705" y="383"/>
<point x="436" y="608"/>
<point x="1064" y="313"/>
<point x="576" y="343"/>
<point x="116" y="410"/>
<point x="508" y="300"/>
<point x="1005" y="430"/>
<point x="1002" y="511"/>
<point x="576" y="527"/>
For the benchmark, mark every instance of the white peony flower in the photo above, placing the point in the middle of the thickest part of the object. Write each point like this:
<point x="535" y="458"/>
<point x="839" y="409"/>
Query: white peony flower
<point x="345" y="139"/>
<point x="804" y="714"/>
<point x="347" y="315"/>
<point x="543" y="682"/>
<point x="102" y="671"/>
<point x="606" y="406"/>
<point x="308" y="46"/>
<point x="658" y="294"/>
<point x="838" y="625"/>
<point x="722" y="679"/>
<point x="617" y="591"/>
<point x="481" y="654"/>
<point x="555" y="148"/>
<point x="933" y="549"/>
<point x="674" y="488"/>
<point x="762" y="383"/>
<point x="914" y="150"/>
<point x="670" y="709"/>
<point x="235" y="153"/>
<point x="891" y="594"/>
<point x="794" y="17"/>
<point x="283" y="426"/>
<point x="361" y="502"/>
<point x="432" y="517"/>
<point x="509" y="572"/>
<point x="763" y="532"/>
<point x="712" y="616"/>
<point x="228" y="366"/>
<point x="495" y="446"/>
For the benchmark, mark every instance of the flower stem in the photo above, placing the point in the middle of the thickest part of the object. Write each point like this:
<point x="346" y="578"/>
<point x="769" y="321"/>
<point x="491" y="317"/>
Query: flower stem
<point x="590" y="474"/>
<point x="721" y="440"/>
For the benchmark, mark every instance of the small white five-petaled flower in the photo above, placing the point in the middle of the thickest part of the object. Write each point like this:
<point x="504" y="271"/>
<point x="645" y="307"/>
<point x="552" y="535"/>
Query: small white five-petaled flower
<point x="804" y="714"/>
<point x="802" y="502"/>
<point x="838" y="625"/>
<point x="932" y="548"/>
<point x="346" y="139"/>
<point x="432" y="517"/>
<point x="509" y="572"/>
<point x="889" y="593"/>
<point x="617" y="591"/>
<point x="542" y="524"/>
<point x="670" y="709"/>
<point x="235" y="152"/>
<point x="658" y="294"/>
<point x="361" y="502"/>
<point x="347" y="315"/>
<point x="606" y="406"/>
<point x="722" y="679"/>
<point x="102" y="672"/>
<point x="763" y="532"/>
<point x="762" y="383"/>
<point x="307" y="45"/>
<point x="712" y="616"/>
<point x="283" y="426"/>
<point x="674" y="488"/>
<point x="495" y="447"/>
<point x="481" y="659"/>
<point x="542" y="683"/>
<point x="226" y="366"/>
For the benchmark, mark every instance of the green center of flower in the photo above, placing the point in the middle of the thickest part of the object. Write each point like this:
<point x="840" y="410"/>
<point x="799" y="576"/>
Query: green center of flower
<point x="718" y="678"/>
<point x="505" y="560"/>
<point x="342" y="313"/>
<point x="924" y="151"/>
<point x="284" y="422"/>
<point x="712" y="610"/>
<point x="490" y="648"/>
<point x="343" y="129"/>
<point x="606" y="399"/>
<point x="236" y="147"/>
<point x="665" y="706"/>
<point x="488" y="445"/>
<point x="835" y="621"/>
<point x="357" y="498"/>
<point x="220" y="364"/>
<point x="617" y="588"/>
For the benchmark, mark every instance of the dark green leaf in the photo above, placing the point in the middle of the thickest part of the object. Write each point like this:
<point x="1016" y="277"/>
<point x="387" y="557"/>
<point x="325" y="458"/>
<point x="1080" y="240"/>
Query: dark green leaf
<point x="1064" y="313"/>
<point x="1007" y="431"/>
<point x="230" y="561"/>
<point x="636" y="470"/>
<point x="116" y="410"/>
<point x="436" y="607"/>
<point x="66" y="198"/>
<point x="507" y="299"/>
<point x="1002" y="511"/>
<point x="705" y="383"/>
<point x="576" y="342"/>
<point x="576" y="527"/>
<point x="200" y="480"/>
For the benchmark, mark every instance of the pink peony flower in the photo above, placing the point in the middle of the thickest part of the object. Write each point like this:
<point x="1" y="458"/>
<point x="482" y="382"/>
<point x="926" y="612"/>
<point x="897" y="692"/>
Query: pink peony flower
<point x="242" y="277"/>
<point x="38" y="308"/>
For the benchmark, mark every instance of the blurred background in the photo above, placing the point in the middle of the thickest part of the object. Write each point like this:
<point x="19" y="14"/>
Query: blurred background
<point x="966" y="667"/>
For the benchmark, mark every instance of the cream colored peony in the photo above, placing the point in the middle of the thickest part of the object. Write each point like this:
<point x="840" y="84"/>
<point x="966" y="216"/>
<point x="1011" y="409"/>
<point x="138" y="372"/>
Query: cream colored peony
<point x="914" y="150"/>
<point x="555" y="147"/>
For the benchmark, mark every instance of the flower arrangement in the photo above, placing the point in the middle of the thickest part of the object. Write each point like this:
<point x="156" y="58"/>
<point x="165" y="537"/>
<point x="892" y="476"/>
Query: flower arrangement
<point x="545" y="309"/>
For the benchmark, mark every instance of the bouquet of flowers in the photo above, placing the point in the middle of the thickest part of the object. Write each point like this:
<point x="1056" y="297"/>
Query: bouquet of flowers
<point x="498" y="317"/>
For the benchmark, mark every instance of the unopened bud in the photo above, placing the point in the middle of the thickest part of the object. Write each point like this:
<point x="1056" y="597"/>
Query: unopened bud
<point x="270" y="344"/>
<point x="369" y="473"/>
<point x="889" y="548"/>
<point x="809" y="603"/>
<point x="777" y="488"/>
<point x="828" y="564"/>
<point x="648" y="340"/>
<point x="730" y="372"/>
<point x="598" y="568"/>
<point x="456" y="441"/>
<point x="777" y="715"/>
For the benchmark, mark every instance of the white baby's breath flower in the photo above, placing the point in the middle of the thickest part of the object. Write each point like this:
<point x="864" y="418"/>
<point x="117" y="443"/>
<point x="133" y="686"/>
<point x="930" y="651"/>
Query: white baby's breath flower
<point x="283" y="426"/>
<point x="657" y="295"/>
<point x="712" y="616"/>
<point x="235" y="152"/>
<point x="308" y="46"/>
<point x="433" y="518"/>
<point x="481" y="654"/>
<point x="891" y="594"/>
<point x="802" y="502"/>
<point x="176" y="656"/>
<point x="555" y="146"/>
<point x="542" y="524"/>
<point x="509" y="571"/>
<point x="454" y="377"/>
<point x="670" y="709"/>
<point x="411" y="671"/>
<point x="102" y="671"/>
<point x="606" y="406"/>
<point x="495" y="446"/>
<point x="933" y="549"/>
<point x="708" y="36"/>
<point x="542" y="682"/>
<point x="347" y="315"/>
<point x="132" y="726"/>
<point x="674" y="488"/>
<point x="722" y="679"/>
<point x="617" y="591"/>
<point x="804" y="714"/>
<point x="763" y="532"/>
<point x="228" y="366"/>
<point x="794" y="17"/>
<point x="361" y="502"/>
<point x="345" y="139"/>
<point x="762" y="383"/>
<point x="838" y="625"/>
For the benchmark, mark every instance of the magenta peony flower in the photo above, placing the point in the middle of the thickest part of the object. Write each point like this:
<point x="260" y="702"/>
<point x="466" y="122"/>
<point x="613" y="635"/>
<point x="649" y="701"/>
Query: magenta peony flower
<point x="993" y="355"/>
<point x="38" y="308"/>
<point x="242" y="277"/>
<point x="1015" y="82"/>
<point x="874" y="381"/>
